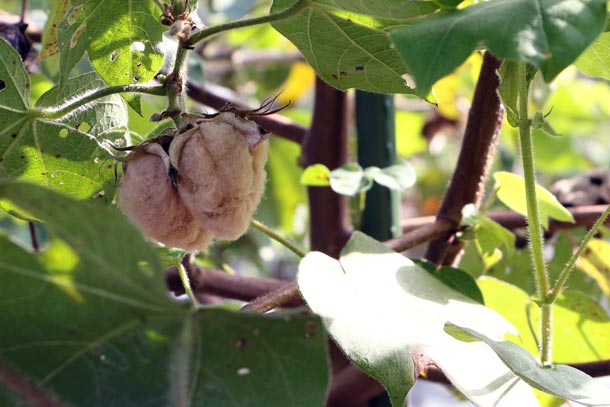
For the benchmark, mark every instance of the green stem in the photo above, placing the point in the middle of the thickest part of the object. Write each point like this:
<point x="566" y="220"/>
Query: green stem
<point x="280" y="15"/>
<point x="71" y="105"/>
<point x="536" y="243"/>
<point x="278" y="238"/>
<point x="567" y="270"/>
<point x="184" y="277"/>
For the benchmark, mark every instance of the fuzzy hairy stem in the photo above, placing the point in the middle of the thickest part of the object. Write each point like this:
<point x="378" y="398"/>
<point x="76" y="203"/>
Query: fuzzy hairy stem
<point x="567" y="270"/>
<point x="534" y="225"/>
<point x="81" y="101"/>
<point x="280" y="15"/>
<point x="480" y="138"/>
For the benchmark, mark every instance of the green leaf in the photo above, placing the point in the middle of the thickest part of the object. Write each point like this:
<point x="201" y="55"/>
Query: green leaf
<point x="387" y="315"/>
<point x="91" y="321"/>
<point x="121" y="38"/>
<point x="489" y="235"/>
<point x="580" y="324"/>
<point x="455" y="278"/>
<point x="347" y="42"/>
<point x="596" y="263"/>
<point x="595" y="61"/>
<point x="397" y="177"/>
<point x="548" y="34"/>
<point x="317" y="175"/>
<point x="64" y="154"/>
<point x="349" y="180"/>
<point x="14" y="94"/>
<point x="561" y="380"/>
<point x="509" y="72"/>
<point x="511" y="191"/>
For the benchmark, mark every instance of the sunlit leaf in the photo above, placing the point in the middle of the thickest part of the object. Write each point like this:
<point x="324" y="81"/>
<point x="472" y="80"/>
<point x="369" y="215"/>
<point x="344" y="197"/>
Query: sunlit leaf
<point x="349" y="180"/>
<point x="388" y="315"/>
<point x="561" y="380"/>
<point x="120" y="37"/>
<point x="347" y="42"/>
<point x="63" y="154"/>
<point x="317" y="175"/>
<point x="596" y="263"/>
<point x="488" y="235"/>
<point x="548" y="34"/>
<point x="580" y="324"/>
<point x="510" y="190"/>
<point x="595" y="61"/>
<point x="397" y="177"/>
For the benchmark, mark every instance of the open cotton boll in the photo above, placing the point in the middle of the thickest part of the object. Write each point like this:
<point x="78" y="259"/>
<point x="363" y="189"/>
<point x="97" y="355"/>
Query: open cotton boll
<point x="221" y="172"/>
<point x="149" y="199"/>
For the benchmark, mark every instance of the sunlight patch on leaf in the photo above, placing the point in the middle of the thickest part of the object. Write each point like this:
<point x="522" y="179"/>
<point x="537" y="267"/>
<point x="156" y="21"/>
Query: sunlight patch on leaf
<point x="387" y="315"/>
<point x="510" y="190"/>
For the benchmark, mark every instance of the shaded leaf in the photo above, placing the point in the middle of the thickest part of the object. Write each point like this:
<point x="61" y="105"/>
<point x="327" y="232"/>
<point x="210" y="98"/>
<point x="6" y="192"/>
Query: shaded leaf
<point x="347" y="42"/>
<point x="511" y="191"/>
<point x="387" y="315"/>
<point x="561" y="380"/>
<point x="102" y="331"/>
<point x="455" y="278"/>
<point x="548" y="34"/>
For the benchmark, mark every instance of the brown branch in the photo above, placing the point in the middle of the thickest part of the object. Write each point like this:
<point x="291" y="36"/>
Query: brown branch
<point x="584" y="216"/>
<point x="26" y="389"/>
<point x="274" y="123"/>
<point x="468" y="181"/>
<point x="217" y="282"/>
<point x="425" y="233"/>
<point x="326" y="143"/>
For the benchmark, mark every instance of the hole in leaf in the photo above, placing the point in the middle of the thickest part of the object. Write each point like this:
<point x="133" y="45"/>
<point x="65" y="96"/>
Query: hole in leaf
<point x="114" y="55"/>
<point x="2" y="85"/>
<point x="137" y="46"/>
<point x="63" y="133"/>
<point x="136" y="78"/>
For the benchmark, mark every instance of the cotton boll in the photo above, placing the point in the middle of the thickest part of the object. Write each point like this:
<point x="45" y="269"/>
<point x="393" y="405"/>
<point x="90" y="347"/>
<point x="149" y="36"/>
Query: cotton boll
<point x="149" y="199"/>
<point x="221" y="179"/>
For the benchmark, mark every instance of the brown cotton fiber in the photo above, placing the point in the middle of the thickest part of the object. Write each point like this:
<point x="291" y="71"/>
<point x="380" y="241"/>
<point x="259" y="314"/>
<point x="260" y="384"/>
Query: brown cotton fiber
<point x="221" y="179"/>
<point x="149" y="199"/>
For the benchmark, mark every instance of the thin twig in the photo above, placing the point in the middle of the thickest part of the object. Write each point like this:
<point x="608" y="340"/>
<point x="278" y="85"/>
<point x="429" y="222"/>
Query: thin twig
<point x="275" y="123"/>
<point x="287" y="292"/>
<point x="277" y="237"/>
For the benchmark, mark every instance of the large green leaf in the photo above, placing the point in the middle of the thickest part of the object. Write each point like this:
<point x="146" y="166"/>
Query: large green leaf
<point x="120" y="36"/>
<point x="347" y="42"/>
<point x="63" y="154"/>
<point x="510" y="189"/>
<point x="580" y="324"/>
<point x="90" y="321"/>
<point x="561" y="380"/>
<point x="548" y="34"/>
<point x="388" y="315"/>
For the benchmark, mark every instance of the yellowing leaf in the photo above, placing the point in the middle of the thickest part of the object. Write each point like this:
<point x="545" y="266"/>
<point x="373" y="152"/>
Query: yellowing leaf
<point x="511" y="191"/>
<point x="300" y="79"/>
<point x="596" y="263"/>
